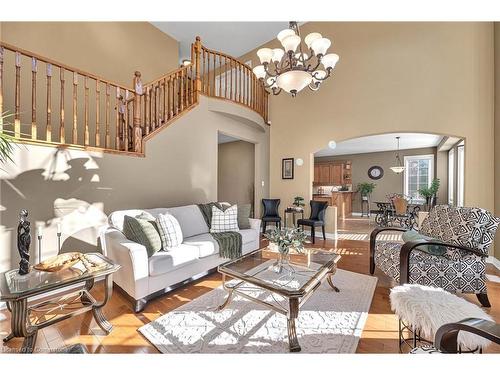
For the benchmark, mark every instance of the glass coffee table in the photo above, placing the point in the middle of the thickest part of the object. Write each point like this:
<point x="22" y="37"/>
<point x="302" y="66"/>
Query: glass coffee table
<point x="58" y="295"/>
<point x="294" y="279"/>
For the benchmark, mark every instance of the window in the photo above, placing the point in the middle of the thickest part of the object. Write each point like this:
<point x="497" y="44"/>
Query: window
<point x="451" y="175"/>
<point x="419" y="173"/>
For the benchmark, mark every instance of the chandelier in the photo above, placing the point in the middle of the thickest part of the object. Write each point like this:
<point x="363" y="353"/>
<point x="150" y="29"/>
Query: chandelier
<point x="399" y="167"/>
<point x="291" y="69"/>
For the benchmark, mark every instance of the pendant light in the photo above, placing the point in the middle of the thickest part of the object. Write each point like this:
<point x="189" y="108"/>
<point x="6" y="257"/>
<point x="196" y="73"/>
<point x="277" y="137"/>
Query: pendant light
<point x="399" y="167"/>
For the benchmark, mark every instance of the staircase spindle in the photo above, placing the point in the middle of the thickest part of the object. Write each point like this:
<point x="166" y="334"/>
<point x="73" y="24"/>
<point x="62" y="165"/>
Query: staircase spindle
<point x="117" y="118"/>
<point x="86" y="133"/>
<point x="17" y="104"/>
<point x="48" y="128"/>
<point x="74" y="131"/>
<point x="125" y="122"/>
<point x="97" y="113"/>
<point x="62" y="135"/>
<point x="33" y="98"/>
<point x="164" y="91"/>
<point x="107" y="139"/>
<point x="181" y="89"/>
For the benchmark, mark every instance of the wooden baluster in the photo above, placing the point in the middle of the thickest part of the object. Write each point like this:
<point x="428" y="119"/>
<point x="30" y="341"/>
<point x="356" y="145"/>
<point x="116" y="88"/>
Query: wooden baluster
<point x="240" y="79"/>
<point x="86" y="134"/>
<point x="165" y="110"/>
<point x="33" y="98"/>
<point x="208" y="74"/>
<point x="225" y="76"/>
<point x="181" y="90"/>
<point x="2" y="50"/>
<point x="117" y="118"/>
<point x="146" y="108"/>
<point x="107" y="140"/>
<point x="204" y="73"/>
<point x="48" y="136"/>
<point x="97" y="113"/>
<point x="137" y="130"/>
<point x="214" y="87"/>
<point x="220" y="75"/>
<point x="62" y="132"/>
<point x="169" y="112"/>
<point x="247" y="78"/>
<point x="17" y="104"/>
<point x="197" y="82"/>
<point x="153" y="106"/>
<point x="75" y="109"/>
<point x="125" y="121"/>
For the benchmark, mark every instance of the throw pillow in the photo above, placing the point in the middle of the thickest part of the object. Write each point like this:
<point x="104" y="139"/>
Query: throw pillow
<point x="170" y="231"/>
<point x="224" y="221"/>
<point x="243" y="216"/>
<point x="143" y="232"/>
<point x="412" y="235"/>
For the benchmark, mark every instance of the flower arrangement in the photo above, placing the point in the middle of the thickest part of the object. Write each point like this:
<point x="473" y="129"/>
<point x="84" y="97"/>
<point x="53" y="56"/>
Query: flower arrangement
<point x="287" y="238"/>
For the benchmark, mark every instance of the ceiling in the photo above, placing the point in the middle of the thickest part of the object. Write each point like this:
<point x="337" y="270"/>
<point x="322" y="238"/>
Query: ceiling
<point x="232" y="38"/>
<point x="223" y="138"/>
<point x="381" y="142"/>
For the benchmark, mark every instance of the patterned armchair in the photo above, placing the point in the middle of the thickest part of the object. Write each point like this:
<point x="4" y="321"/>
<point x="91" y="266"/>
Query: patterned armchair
<point x="467" y="234"/>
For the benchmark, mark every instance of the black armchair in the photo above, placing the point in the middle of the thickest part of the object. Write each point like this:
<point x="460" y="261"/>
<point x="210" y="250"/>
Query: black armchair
<point x="271" y="213"/>
<point x="316" y="219"/>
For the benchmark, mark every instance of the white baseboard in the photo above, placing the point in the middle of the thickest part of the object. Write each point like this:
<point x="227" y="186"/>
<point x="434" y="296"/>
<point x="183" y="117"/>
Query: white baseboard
<point x="494" y="261"/>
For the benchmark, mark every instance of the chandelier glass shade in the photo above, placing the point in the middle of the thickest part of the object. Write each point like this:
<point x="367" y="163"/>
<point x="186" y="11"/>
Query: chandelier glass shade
<point x="291" y="68"/>
<point x="399" y="167"/>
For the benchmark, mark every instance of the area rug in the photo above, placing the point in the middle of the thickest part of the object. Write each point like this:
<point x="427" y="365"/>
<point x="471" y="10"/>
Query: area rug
<point x="328" y="322"/>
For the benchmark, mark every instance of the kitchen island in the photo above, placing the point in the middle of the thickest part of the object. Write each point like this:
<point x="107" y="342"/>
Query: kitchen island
<point x="340" y="199"/>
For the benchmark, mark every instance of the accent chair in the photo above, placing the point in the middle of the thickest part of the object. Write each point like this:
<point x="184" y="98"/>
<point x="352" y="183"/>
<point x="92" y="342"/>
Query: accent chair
<point x="316" y="219"/>
<point x="271" y="213"/>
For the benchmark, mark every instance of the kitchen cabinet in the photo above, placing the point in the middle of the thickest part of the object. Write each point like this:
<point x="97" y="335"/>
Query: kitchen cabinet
<point x="332" y="173"/>
<point x="340" y="199"/>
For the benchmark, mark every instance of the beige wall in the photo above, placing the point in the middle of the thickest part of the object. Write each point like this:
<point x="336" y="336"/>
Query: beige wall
<point x="392" y="77"/>
<point x="236" y="170"/>
<point x="113" y="50"/>
<point x="180" y="168"/>
<point x="389" y="183"/>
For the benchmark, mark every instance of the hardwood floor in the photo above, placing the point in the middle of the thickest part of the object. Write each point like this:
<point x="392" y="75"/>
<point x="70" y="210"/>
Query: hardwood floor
<point x="379" y="335"/>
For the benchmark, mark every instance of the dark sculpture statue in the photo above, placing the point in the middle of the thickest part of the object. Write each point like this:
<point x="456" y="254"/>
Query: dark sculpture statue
<point x="23" y="242"/>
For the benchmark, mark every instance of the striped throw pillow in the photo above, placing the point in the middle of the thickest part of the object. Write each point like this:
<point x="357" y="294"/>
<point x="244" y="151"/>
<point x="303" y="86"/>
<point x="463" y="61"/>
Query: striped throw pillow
<point x="224" y="221"/>
<point x="170" y="231"/>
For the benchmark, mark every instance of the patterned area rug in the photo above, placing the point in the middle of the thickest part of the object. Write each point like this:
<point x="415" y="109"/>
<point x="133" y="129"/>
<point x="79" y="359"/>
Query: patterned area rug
<point x="328" y="322"/>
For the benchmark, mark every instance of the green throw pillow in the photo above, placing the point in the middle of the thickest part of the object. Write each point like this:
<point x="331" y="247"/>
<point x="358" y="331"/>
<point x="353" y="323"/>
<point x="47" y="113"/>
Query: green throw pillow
<point x="143" y="232"/>
<point x="243" y="216"/>
<point x="412" y="235"/>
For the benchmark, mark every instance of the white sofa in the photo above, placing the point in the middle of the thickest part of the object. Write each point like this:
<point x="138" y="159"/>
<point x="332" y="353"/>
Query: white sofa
<point x="143" y="277"/>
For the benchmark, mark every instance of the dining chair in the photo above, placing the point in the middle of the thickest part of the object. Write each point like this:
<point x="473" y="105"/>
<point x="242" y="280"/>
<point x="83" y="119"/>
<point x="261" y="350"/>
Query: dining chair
<point x="316" y="219"/>
<point x="271" y="213"/>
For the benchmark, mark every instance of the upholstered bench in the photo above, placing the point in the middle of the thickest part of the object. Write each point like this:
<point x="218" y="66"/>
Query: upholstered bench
<point x="422" y="310"/>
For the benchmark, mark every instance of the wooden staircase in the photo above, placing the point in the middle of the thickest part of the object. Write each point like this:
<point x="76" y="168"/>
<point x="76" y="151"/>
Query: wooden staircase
<point x="92" y="113"/>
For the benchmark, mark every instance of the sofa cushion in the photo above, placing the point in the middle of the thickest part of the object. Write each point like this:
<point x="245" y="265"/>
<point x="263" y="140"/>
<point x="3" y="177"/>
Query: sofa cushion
<point x="190" y="219"/>
<point x="143" y="232"/>
<point x="249" y="235"/>
<point x="244" y="216"/>
<point x="167" y="261"/>
<point x="170" y="231"/>
<point x="206" y="244"/>
<point x="224" y="221"/>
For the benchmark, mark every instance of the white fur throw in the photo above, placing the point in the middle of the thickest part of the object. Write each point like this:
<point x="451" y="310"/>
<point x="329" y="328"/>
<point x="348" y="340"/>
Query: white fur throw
<point x="427" y="308"/>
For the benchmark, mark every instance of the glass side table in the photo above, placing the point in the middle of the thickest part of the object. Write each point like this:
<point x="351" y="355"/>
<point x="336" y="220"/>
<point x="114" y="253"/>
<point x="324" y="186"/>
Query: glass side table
<point x="69" y="296"/>
<point x="294" y="212"/>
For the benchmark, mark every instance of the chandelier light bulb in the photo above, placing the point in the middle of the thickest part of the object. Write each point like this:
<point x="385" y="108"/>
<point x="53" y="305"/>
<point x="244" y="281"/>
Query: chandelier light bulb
<point x="311" y="38"/>
<point x="291" y="42"/>
<point x="278" y="54"/>
<point x="284" y="33"/>
<point x="330" y="60"/>
<point x="320" y="46"/>
<point x="259" y="71"/>
<point x="265" y="55"/>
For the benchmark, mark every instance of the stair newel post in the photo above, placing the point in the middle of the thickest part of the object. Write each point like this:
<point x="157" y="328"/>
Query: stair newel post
<point x="137" y="135"/>
<point x="197" y="62"/>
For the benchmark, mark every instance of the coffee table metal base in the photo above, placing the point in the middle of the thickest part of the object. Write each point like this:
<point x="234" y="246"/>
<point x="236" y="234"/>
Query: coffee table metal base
<point x="294" y="305"/>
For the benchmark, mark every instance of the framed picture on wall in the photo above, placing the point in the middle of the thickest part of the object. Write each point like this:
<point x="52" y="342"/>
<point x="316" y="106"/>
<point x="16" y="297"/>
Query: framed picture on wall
<point x="287" y="169"/>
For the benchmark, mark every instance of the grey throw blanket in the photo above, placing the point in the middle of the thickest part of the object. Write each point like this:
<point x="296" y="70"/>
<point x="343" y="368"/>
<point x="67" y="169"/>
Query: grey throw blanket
<point x="229" y="242"/>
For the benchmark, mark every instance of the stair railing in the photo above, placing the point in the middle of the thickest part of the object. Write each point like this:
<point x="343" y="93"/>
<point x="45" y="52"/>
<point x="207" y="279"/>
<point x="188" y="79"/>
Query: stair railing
<point x="55" y="104"/>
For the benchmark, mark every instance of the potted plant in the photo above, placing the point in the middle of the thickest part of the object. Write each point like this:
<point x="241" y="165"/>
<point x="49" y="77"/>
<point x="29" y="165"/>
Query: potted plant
<point x="429" y="193"/>
<point x="6" y="141"/>
<point x="298" y="203"/>
<point x="283" y="240"/>
<point x="365" y="189"/>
